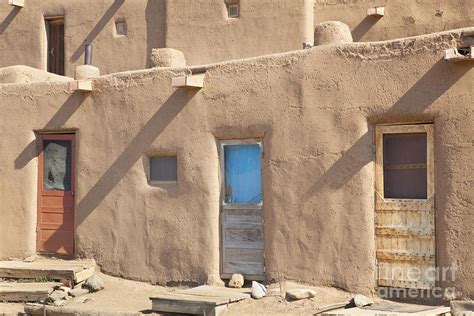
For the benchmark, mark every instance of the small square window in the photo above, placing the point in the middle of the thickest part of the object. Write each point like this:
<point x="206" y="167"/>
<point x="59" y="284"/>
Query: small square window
<point x="233" y="11"/>
<point x="121" y="28"/>
<point x="163" y="169"/>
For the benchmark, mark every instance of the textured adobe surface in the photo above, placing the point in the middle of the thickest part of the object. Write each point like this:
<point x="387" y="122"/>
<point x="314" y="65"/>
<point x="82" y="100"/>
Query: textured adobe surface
<point x="315" y="111"/>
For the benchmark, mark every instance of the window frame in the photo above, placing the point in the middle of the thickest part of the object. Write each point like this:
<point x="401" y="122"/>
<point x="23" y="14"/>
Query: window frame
<point x="381" y="130"/>
<point x="161" y="182"/>
<point x="224" y="143"/>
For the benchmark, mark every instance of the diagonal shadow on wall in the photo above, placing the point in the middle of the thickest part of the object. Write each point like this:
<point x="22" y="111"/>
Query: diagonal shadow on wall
<point x="364" y="26"/>
<point x="133" y="152"/>
<point x="429" y="88"/>
<point x="351" y="161"/>
<point x="155" y="15"/>
<point x="58" y="120"/>
<point x="8" y="19"/>
<point x="109" y="14"/>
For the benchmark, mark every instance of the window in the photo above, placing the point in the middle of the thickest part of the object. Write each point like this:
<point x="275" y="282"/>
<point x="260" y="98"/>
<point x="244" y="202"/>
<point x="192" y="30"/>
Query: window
<point x="121" y="28"/>
<point x="404" y="161"/>
<point x="163" y="169"/>
<point x="55" y="45"/>
<point x="233" y="10"/>
<point x="243" y="177"/>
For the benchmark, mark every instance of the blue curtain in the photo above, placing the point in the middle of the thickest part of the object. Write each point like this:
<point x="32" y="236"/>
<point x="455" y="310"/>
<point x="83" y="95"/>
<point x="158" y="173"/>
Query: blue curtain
<point x="243" y="177"/>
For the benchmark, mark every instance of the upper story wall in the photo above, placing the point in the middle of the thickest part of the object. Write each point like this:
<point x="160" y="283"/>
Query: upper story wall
<point x="23" y="32"/>
<point x="402" y="18"/>
<point x="202" y="29"/>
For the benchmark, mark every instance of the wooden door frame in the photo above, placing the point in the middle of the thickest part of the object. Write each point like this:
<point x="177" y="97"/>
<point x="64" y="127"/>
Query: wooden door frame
<point x="381" y="202"/>
<point x="223" y="205"/>
<point x="40" y="138"/>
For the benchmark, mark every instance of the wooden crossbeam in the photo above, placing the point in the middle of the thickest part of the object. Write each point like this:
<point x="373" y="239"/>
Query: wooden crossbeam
<point x="190" y="81"/>
<point x="17" y="3"/>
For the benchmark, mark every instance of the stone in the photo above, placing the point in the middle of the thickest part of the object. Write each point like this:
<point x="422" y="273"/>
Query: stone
<point x="236" y="281"/>
<point x="30" y="259"/>
<point x="78" y="292"/>
<point x="361" y="301"/>
<point x="299" y="294"/>
<point x="57" y="295"/>
<point x="167" y="57"/>
<point x="85" y="72"/>
<point x="94" y="283"/>
<point x="332" y="32"/>
<point x="258" y="290"/>
<point x="462" y="308"/>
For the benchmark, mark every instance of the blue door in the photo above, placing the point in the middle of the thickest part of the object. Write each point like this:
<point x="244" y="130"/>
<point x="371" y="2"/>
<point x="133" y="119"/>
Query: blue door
<point x="242" y="205"/>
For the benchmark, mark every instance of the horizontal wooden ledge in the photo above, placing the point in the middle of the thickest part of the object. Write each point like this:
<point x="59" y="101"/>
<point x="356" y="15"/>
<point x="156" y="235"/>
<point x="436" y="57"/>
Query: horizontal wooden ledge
<point x="415" y="206"/>
<point x="404" y="231"/>
<point x="406" y="166"/>
<point x="385" y="255"/>
<point x="406" y="284"/>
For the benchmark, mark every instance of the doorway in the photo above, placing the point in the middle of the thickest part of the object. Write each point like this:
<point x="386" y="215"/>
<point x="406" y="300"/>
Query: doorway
<point x="241" y="209"/>
<point x="55" y="45"/>
<point x="56" y="188"/>
<point x="405" y="216"/>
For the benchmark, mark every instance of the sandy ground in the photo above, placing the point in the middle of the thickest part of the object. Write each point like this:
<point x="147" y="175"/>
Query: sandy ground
<point x="276" y="304"/>
<point x="125" y="296"/>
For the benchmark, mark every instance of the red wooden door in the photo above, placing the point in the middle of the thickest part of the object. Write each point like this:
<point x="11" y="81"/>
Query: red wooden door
<point x="56" y="184"/>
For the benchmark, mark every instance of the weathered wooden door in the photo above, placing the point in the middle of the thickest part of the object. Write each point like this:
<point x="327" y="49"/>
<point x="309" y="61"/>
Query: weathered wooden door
<point x="405" y="220"/>
<point x="241" y="209"/>
<point x="56" y="178"/>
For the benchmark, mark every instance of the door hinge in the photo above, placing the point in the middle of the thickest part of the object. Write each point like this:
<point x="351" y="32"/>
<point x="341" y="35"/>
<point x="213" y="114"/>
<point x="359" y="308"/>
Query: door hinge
<point x="37" y="229"/>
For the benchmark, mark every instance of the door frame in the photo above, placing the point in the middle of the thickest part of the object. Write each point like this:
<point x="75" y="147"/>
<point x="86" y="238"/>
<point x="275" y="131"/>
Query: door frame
<point x="382" y="203"/>
<point x="223" y="205"/>
<point x="40" y="138"/>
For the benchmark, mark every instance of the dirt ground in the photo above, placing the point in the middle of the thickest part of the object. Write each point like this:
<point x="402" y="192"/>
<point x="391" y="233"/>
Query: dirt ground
<point x="275" y="303"/>
<point x="125" y="296"/>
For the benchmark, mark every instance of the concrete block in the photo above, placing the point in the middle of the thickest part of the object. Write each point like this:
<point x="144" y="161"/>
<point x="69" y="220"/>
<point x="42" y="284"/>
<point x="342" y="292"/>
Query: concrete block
<point x="167" y="57"/>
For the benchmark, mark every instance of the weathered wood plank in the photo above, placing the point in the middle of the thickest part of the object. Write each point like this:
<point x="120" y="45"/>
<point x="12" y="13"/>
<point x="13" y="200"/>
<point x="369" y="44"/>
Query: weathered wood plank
<point x="404" y="231"/>
<point x="25" y="292"/>
<point x="405" y="256"/>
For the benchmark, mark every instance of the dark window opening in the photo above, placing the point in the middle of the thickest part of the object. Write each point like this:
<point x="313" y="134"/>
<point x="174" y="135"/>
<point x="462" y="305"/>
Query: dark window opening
<point x="55" y="40"/>
<point x="163" y="169"/>
<point x="405" y="165"/>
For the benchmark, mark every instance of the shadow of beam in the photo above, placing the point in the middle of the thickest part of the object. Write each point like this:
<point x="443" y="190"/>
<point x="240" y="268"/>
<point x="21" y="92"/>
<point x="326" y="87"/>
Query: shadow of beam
<point x="429" y="88"/>
<point x="155" y="16"/>
<point x="8" y="19"/>
<point x="363" y="27"/>
<point x="142" y="141"/>
<point x="351" y="161"/>
<point x="98" y="28"/>
<point x="58" y="120"/>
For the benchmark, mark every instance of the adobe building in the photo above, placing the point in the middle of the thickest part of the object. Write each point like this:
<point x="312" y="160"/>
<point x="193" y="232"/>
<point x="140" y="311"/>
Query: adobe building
<point x="347" y="164"/>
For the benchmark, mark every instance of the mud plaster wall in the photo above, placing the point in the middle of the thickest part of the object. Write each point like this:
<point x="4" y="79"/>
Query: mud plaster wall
<point x="22" y="32"/>
<point x="402" y="18"/>
<point x="315" y="111"/>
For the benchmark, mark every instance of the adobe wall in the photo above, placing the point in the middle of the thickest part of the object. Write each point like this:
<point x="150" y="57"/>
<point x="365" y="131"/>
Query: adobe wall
<point x="315" y="111"/>
<point x="22" y="32"/>
<point x="402" y="18"/>
<point x="202" y="30"/>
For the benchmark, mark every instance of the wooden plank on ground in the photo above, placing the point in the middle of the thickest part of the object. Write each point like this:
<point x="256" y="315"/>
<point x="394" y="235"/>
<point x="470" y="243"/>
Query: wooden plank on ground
<point x="25" y="292"/>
